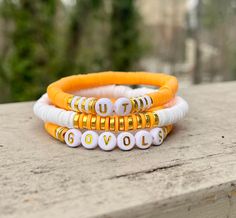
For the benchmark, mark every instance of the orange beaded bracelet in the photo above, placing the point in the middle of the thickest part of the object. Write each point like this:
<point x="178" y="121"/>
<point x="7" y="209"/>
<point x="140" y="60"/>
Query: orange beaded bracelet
<point x="104" y="107"/>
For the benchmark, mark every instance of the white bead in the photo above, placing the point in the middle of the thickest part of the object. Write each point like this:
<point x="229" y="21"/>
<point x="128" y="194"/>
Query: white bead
<point x="107" y="141"/>
<point x="104" y="107"/>
<point x="89" y="139"/>
<point x="143" y="139"/>
<point x="157" y="135"/>
<point x="73" y="138"/>
<point x="125" y="141"/>
<point x="123" y="106"/>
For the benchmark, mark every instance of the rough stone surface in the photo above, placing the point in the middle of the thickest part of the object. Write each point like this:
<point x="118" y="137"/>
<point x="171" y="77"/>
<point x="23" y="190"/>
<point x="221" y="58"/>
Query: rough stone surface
<point x="193" y="174"/>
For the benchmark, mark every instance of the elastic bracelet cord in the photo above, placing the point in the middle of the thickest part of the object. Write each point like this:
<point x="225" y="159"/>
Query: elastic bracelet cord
<point x="58" y="92"/>
<point x="70" y="119"/>
<point x="107" y="141"/>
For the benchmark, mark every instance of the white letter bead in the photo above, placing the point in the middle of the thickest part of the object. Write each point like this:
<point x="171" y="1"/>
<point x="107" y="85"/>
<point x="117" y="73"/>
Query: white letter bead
<point x="104" y="107"/>
<point x="125" y="141"/>
<point x="157" y="135"/>
<point x="73" y="138"/>
<point x="107" y="141"/>
<point x="89" y="139"/>
<point x="143" y="139"/>
<point x="123" y="106"/>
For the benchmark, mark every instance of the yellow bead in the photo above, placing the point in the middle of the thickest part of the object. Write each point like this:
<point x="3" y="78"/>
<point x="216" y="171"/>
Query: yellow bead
<point x="112" y="123"/>
<point x="69" y="100"/>
<point x="148" y="120"/>
<point x="139" y="121"/>
<point x="141" y="104"/>
<point x="156" y="120"/>
<point x="121" y="123"/>
<point x="102" y="123"/>
<point x="84" y="121"/>
<point x="130" y="123"/>
<point x="76" y="104"/>
<point x="83" y="105"/>
<point x="93" y="122"/>
<point x="76" y="121"/>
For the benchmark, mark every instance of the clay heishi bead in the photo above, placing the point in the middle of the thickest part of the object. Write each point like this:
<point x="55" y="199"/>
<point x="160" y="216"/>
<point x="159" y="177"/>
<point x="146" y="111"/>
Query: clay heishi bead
<point x="73" y="138"/>
<point x="104" y="107"/>
<point x="157" y="135"/>
<point x="143" y="139"/>
<point x="89" y="139"/>
<point x="107" y="141"/>
<point x="123" y="106"/>
<point x="125" y="141"/>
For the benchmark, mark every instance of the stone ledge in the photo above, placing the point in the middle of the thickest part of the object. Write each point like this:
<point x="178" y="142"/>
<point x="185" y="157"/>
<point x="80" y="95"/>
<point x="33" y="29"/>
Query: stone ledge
<point x="193" y="174"/>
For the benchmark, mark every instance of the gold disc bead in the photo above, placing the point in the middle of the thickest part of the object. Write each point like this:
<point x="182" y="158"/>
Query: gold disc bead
<point x="130" y="123"/>
<point x="148" y="120"/>
<point x="139" y="121"/>
<point x="134" y="105"/>
<point x="141" y="108"/>
<point x="112" y="124"/>
<point x="121" y="123"/>
<point x="69" y="100"/>
<point x="156" y="120"/>
<point x="76" y="121"/>
<point x="102" y="123"/>
<point x="84" y="121"/>
<point x="83" y="105"/>
<point x="76" y="104"/>
<point x="93" y="122"/>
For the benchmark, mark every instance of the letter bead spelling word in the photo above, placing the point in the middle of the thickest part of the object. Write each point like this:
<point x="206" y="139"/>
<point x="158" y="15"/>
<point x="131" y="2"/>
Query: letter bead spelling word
<point x="143" y="139"/>
<point x="89" y="139"/>
<point x="104" y="107"/>
<point x="107" y="141"/>
<point x="157" y="135"/>
<point x="123" y="106"/>
<point x="125" y="141"/>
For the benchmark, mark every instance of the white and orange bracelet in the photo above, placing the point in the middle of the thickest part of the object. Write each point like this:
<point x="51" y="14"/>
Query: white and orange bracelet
<point x="112" y="115"/>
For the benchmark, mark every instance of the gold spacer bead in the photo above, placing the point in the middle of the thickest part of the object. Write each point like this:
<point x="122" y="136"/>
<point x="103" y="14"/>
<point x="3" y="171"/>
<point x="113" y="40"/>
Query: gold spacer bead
<point x="148" y="120"/>
<point x="139" y="121"/>
<point x="76" y="104"/>
<point x="83" y="105"/>
<point x="141" y="103"/>
<point x="84" y="121"/>
<point x="146" y="101"/>
<point x="102" y="123"/>
<point x="93" y="106"/>
<point x="59" y="133"/>
<point x="93" y="122"/>
<point x="151" y="101"/>
<point x="121" y="124"/>
<point x="134" y="105"/>
<point x="112" y="124"/>
<point x="69" y="100"/>
<point x="76" y="121"/>
<point x="156" y="120"/>
<point x="130" y="123"/>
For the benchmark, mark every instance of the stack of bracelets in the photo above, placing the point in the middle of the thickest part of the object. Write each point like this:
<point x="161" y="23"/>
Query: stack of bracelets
<point x="91" y="111"/>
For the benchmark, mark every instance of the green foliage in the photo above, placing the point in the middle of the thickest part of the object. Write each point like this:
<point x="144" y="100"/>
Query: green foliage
<point x="124" y="45"/>
<point x="46" y="40"/>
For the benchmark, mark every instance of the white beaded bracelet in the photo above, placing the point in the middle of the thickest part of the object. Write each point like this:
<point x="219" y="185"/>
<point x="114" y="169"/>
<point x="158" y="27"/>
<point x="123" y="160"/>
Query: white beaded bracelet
<point x="107" y="141"/>
<point x="61" y="117"/>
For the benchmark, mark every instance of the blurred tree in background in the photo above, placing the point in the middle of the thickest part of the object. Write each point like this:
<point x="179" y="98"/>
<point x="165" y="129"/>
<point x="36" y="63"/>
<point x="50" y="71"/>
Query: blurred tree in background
<point x="45" y="40"/>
